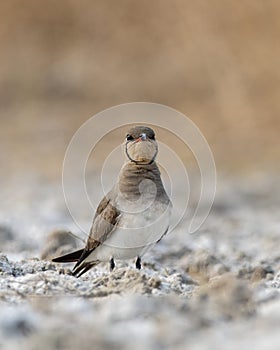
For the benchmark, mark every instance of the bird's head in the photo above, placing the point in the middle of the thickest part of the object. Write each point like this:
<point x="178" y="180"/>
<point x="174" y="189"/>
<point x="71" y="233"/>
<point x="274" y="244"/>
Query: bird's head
<point x="140" y="145"/>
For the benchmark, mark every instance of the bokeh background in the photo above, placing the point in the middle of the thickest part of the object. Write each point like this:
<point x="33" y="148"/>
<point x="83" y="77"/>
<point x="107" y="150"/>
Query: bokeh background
<point x="215" y="61"/>
<point x="63" y="61"/>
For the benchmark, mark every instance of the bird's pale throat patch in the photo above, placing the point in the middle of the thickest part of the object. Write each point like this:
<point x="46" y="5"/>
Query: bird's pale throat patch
<point x="141" y="151"/>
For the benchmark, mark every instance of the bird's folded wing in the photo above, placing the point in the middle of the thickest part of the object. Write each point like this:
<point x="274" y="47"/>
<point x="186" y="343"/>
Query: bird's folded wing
<point x="103" y="225"/>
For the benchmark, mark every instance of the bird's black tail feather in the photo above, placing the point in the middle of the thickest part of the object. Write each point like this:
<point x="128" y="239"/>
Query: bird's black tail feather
<point x="83" y="268"/>
<point x="71" y="257"/>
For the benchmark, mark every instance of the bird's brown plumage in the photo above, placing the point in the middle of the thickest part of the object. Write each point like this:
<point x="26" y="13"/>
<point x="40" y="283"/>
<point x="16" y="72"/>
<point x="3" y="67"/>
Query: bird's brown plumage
<point x="108" y="214"/>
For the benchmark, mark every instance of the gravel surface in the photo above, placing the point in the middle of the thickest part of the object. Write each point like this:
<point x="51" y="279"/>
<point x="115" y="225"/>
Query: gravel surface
<point x="215" y="289"/>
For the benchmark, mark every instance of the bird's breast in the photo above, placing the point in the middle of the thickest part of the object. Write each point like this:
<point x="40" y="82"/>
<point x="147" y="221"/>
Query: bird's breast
<point x="135" y="233"/>
<point x="141" y="229"/>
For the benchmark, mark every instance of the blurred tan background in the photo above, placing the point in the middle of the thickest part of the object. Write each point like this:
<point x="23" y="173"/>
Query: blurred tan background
<point x="63" y="61"/>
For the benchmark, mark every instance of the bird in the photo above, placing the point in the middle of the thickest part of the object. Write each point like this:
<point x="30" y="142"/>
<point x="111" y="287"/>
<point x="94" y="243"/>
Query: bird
<point x="134" y="215"/>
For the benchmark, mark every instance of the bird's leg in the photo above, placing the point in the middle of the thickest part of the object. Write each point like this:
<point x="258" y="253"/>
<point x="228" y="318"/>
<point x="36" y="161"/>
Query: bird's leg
<point x="112" y="264"/>
<point x="138" y="263"/>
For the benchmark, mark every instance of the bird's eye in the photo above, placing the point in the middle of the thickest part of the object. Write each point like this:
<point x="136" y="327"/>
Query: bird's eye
<point x="152" y="137"/>
<point x="129" y="138"/>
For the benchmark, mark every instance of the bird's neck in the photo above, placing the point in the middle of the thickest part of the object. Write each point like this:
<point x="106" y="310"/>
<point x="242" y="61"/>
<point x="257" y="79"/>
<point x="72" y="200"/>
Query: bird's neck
<point x="136" y="180"/>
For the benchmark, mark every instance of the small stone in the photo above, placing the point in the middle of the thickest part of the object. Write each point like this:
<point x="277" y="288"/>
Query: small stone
<point x="154" y="282"/>
<point x="269" y="276"/>
<point x="58" y="242"/>
<point x="5" y="265"/>
<point x="258" y="274"/>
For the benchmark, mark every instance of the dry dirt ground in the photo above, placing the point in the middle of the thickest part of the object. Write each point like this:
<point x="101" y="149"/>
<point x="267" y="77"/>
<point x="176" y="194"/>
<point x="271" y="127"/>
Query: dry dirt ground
<point x="218" y="63"/>
<point x="218" y="288"/>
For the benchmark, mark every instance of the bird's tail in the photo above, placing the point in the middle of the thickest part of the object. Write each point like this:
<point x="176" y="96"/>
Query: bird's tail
<point x="71" y="257"/>
<point x="78" y="256"/>
<point x="82" y="268"/>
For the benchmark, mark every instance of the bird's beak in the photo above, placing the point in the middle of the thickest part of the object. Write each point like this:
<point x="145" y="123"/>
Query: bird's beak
<point x="143" y="137"/>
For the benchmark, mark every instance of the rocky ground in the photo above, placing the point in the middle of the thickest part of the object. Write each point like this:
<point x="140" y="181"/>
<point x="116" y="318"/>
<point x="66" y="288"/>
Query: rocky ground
<point x="216" y="289"/>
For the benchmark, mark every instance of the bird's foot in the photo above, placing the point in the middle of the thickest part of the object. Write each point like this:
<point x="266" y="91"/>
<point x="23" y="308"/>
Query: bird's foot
<point x="112" y="264"/>
<point x="138" y="263"/>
